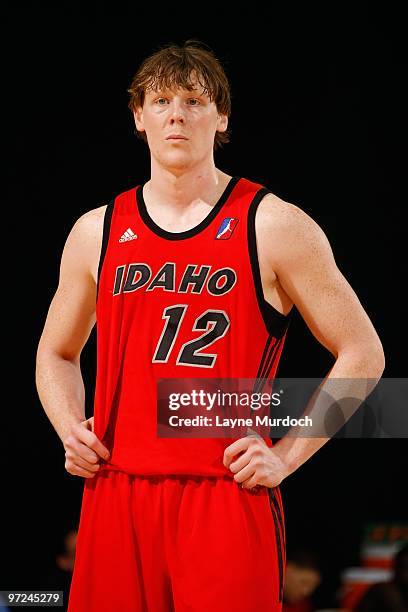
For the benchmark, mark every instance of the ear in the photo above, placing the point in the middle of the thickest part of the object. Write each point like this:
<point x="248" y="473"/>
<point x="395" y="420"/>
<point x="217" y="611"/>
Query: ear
<point x="222" y="123"/>
<point x="138" y="117"/>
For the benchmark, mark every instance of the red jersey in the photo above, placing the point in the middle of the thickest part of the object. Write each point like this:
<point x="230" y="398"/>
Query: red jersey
<point x="177" y="305"/>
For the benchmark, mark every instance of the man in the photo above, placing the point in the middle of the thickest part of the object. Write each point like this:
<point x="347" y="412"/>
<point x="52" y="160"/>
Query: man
<point x="193" y="274"/>
<point x="60" y="574"/>
<point x="302" y="577"/>
<point x="389" y="596"/>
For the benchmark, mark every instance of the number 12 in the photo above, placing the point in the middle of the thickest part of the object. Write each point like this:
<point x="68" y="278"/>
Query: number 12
<point x="189" y="354"/>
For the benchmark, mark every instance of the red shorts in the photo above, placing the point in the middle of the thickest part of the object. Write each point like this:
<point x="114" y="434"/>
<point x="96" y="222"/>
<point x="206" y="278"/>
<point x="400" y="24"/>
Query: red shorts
<point x="177" y="543"/>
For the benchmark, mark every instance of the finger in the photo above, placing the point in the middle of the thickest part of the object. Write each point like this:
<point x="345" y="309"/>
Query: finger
<point x="85" y="453"/>
<point x="250" y="483"/>
<point x="77" y="455"/>
<point x="89" y="424"/>
<point x="239" y="463"/>
<point x="90" y="467"/>
<point x="99" y="448"/>
<point x="91" y="441"/>
<point x="244" y="474"/>
<point x="77" y="470"/>
<point x="233" y="449"/>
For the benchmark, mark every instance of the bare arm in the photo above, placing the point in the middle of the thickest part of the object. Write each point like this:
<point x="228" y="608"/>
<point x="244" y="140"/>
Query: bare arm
<point x="69" y="322"/>
<point x="298" y="251"/>
<point x="308" y="273"/>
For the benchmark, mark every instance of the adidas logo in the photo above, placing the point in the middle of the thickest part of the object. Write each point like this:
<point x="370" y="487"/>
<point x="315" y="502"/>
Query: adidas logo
<point x="128" y="235"/>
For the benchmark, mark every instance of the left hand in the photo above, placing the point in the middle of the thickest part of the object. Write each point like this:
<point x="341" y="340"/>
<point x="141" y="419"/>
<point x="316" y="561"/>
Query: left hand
<point x="257" y="465"/>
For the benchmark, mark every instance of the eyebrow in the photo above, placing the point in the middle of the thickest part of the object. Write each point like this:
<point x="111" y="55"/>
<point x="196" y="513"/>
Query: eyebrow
<point x="195" y="92"/>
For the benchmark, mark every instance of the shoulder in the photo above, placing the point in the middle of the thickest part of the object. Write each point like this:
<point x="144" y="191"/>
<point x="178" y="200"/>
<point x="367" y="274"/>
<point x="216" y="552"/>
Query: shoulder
<point x="278" y="215"/>
<point x="288" y="230"/>
<point x="86" y="232"/>
<point x="91" y="221"/>
<point x="83" y="244"/>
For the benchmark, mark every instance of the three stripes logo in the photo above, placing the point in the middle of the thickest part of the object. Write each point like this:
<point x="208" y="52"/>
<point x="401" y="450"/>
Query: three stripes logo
<point x="226" y="228"/>
<point x="128" y="235"/>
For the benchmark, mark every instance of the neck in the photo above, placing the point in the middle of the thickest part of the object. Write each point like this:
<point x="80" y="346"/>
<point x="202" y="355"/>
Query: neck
<point x="180" y="190"/>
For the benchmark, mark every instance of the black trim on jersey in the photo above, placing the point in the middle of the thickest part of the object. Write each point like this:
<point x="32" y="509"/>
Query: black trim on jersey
<point x="266" y="363"/>
<point x="279" y="549"/>
<point x="275" y="503"/>
<point x="276" y="323"/>
<point x="264" y="354"/>
<point x="187" y="233"/>
<point x="105" y="239"/>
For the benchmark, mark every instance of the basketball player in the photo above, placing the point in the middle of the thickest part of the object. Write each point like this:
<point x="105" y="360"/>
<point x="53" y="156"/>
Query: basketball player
<point x="192" y="274"/>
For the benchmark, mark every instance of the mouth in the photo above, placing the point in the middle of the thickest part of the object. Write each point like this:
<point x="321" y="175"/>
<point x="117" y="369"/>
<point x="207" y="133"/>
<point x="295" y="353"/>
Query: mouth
<point x="176" y="138"/>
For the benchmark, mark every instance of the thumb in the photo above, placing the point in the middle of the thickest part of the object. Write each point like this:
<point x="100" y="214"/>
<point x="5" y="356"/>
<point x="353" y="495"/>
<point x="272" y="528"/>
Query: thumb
<point x="89" y="424"/>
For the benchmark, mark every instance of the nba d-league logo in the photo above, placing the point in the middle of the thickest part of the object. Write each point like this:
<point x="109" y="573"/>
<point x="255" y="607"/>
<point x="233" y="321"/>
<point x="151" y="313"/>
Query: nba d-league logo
<point x="226" y="228"/>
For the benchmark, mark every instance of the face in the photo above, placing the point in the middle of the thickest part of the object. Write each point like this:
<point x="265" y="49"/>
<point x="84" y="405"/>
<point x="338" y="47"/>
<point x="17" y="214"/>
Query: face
<point x="300" y="582"/>
<point x="66" y="560"/>
<point x="190" y="114"/>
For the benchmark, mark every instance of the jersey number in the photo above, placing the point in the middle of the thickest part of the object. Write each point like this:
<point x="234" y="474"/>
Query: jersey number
<point x="216" y="320"/>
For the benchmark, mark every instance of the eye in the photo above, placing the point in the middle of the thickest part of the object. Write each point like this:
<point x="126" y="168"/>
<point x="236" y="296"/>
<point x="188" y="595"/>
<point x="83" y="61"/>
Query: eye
<point x="160" y="100"/>
<point x="194" y="100"/>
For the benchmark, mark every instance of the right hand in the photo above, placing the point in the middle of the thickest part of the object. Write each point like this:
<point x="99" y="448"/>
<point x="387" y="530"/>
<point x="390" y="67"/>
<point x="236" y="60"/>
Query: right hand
<point x="83" y="450"/>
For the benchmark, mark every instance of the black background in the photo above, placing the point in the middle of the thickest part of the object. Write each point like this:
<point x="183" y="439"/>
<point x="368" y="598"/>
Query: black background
<point x="317" y="109"/>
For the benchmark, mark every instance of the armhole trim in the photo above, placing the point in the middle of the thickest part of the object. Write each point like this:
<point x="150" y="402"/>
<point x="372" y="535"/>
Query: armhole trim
<point x="276" y="323"/>
<point x="105" y="240"/>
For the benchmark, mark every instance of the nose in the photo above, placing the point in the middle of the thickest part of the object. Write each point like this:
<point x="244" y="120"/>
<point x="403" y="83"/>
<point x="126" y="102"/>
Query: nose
<point x="177" y="115"/>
